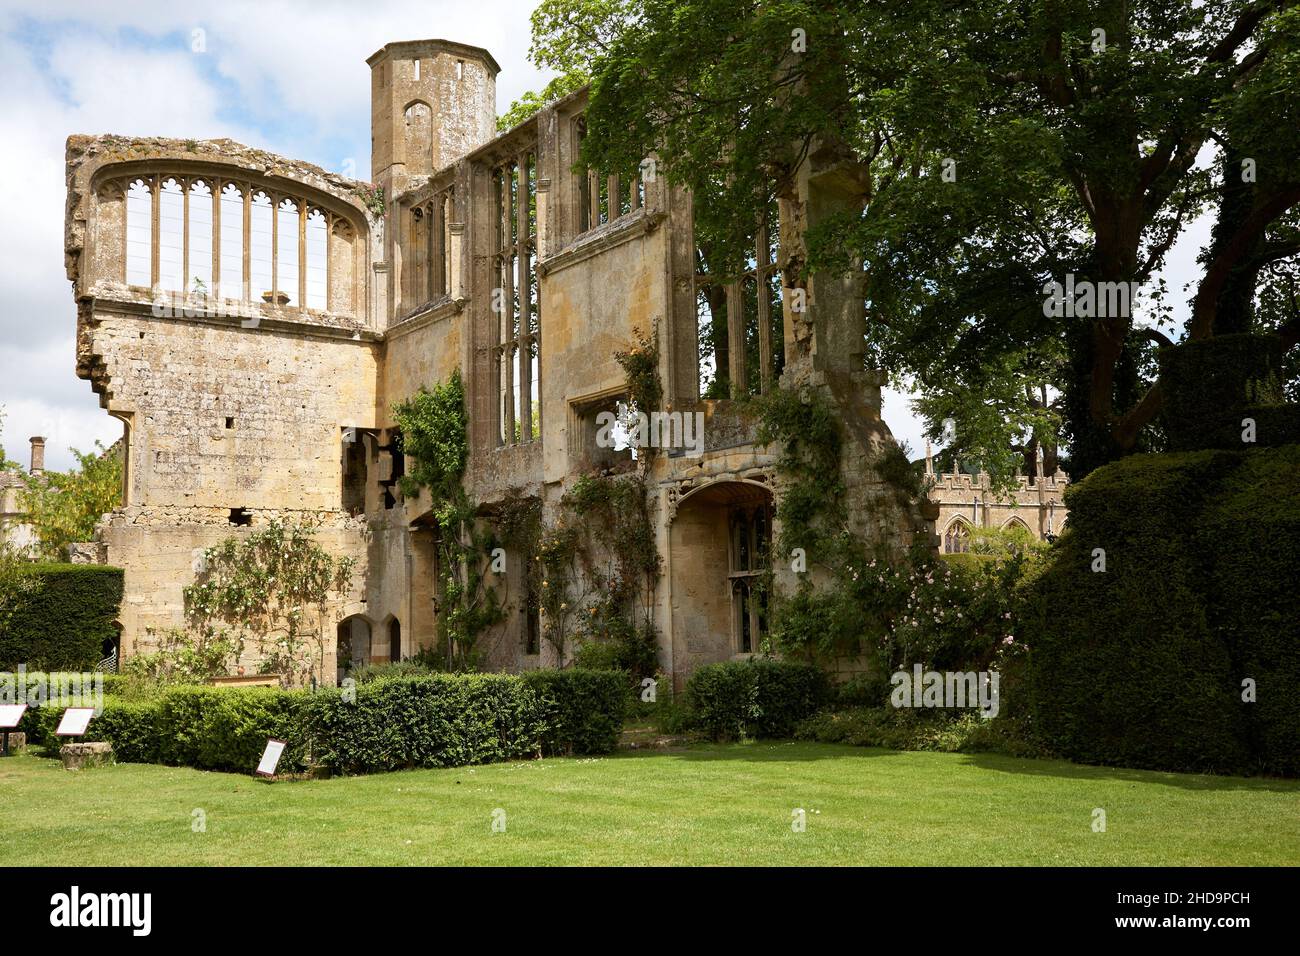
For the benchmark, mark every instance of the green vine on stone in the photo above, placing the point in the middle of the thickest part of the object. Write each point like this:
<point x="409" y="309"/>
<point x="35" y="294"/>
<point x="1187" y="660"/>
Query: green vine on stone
<point x="434" y="433"/>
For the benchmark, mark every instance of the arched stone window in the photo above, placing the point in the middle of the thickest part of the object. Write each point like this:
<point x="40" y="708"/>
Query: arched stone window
<point x="286" y="253"/>
<point x="171" y="236"/>
<point x="198" y="239"/>
<point x="419" y="132"/>
<point x="233" y="240"/>
<point x="139" y="234"/>
<point x="232" y="243"/>
<point x="261" y="231"/>
<point x="394" y="640"/>
<point x="956" y="539"/>
<point x="317" y="243"/>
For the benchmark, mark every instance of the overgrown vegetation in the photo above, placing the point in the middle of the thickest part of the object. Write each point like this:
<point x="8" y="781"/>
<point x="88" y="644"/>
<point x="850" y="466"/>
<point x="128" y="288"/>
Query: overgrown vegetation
<point x="434" y="432"/>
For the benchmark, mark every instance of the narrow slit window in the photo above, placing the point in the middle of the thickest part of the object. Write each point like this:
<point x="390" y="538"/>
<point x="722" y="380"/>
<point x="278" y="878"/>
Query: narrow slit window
<point x="139" y="234"/>
<point x="286" y="258"/>
<point x="232" y="242"/>
<point x="171" y="236"/>
<point x="316" y="246"/>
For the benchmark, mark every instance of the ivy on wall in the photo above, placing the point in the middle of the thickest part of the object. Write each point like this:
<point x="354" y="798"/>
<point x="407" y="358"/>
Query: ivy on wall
<point x="434" y="433"/>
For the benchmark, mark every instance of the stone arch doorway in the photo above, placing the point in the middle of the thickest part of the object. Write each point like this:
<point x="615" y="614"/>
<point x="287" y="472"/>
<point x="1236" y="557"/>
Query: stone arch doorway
<point x="720" y="544"/>
<point x="352" y="644"/>
<point x="394" y="640"/>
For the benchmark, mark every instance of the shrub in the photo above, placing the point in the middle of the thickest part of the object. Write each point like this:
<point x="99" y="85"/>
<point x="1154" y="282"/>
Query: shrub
<point x="435" y="720"/>
<point x="754" y="698"/>
<point x="407" y="668"/>
<point x="1143" y="665"/>
<point x="908" y="729"/>
<point x="63" y="623"/>
<point x="1250" y="534"/>
<point x="205" y="727"/>
<point x="583" y="709"/>
<point x="130" y="726"/>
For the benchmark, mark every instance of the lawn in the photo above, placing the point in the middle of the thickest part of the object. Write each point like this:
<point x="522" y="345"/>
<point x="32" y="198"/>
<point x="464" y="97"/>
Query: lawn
<point x="726" y="804"/>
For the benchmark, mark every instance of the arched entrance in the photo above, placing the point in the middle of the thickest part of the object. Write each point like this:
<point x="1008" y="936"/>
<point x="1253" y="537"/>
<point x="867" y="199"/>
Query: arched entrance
<point x="720" y="540"/>
<point x="353" y="644"/>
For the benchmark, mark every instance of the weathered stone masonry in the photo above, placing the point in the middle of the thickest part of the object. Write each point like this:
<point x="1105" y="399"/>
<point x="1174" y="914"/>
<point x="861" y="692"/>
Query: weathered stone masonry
<point x="300" y="305"/>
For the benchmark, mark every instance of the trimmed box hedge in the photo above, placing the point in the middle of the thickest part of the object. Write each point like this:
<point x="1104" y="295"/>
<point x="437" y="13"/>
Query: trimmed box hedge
<point x="390" y="723"/>
<point x="755" y="698"/>
<point x="435" y="720"/>
<point x="582" y="710"/>
<point x="62" y="624"/>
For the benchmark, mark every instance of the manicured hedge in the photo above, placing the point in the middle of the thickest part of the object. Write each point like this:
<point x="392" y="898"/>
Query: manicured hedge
<point x="227" y="728"/>
<point x="204" y="727"/>
<point x="582" y="709"/>
<point x="1142" y="665"/>
<point x="132" y="727"/>
<point x="436" y="720"/>
<point x="755" y="698"/>
<point x="390" y="723"/>
<point x="63" y="623"/>
<point x="1251" y="533"/>
<point x="114" y="685"/>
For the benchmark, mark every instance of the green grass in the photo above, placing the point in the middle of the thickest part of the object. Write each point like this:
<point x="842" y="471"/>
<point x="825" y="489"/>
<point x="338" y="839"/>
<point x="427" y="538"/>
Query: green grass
<point x="728" y="804"/>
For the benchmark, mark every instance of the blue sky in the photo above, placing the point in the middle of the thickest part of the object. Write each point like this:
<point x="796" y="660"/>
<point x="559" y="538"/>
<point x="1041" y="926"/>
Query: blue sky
<point x="287" y="77"/>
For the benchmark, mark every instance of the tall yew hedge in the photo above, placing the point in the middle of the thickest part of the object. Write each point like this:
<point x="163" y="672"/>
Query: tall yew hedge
<point x="62" y="624"/>
<point x="1143" y="664"/>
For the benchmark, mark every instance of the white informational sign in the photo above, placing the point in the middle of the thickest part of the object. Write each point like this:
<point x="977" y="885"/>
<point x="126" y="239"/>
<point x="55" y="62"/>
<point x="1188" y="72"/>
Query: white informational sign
<point x="270" y="757"/>
<point x="74" y="722"/>
<point x="10" y="714"/>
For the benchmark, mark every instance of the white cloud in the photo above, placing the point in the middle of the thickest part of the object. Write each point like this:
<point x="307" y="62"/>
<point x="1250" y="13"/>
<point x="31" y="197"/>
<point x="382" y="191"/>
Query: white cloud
<point x="290" y="78"/>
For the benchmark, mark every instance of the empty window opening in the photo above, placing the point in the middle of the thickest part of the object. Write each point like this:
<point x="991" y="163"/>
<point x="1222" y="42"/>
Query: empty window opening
<point x="515" y="303"/>
<point x="230" y="422"/>
<point x="460" y="69"/>
<point x="395" y="635"/>
<point x="739" y="316"/>
<point x="354" y="472"/>
<point x="600" y="434"/>
<point x="417" y="71"/>
<point x="241" y="517"/>
<point x="139" y="234"/>
<point x="397" y="469"/>
<point x="604" y="197"/>
<point x="209" y="239"/>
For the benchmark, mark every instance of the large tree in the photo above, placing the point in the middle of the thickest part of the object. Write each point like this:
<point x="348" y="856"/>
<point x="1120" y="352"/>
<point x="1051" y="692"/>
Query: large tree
<point x="995" y="147"/>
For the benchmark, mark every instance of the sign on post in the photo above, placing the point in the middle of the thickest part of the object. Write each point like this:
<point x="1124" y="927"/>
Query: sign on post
<point x="10" y="714"/>
<point x="74" y="722"/>
<point x="270" y="757"/>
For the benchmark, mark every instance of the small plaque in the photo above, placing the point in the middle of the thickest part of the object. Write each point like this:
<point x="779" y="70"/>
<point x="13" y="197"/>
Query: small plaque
<point x="271" y="757"/>
<point x="10" y="714"/>
<point x="74" y="722"/>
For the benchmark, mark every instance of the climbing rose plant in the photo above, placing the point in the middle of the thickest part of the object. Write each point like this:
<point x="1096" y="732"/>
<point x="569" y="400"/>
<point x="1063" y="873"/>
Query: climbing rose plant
<point x="275" y="587"/>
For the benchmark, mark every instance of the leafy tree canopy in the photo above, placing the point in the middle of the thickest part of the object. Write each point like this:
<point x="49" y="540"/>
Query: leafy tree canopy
<point x="65" y="507"/>
<point x="993" y="148"/>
